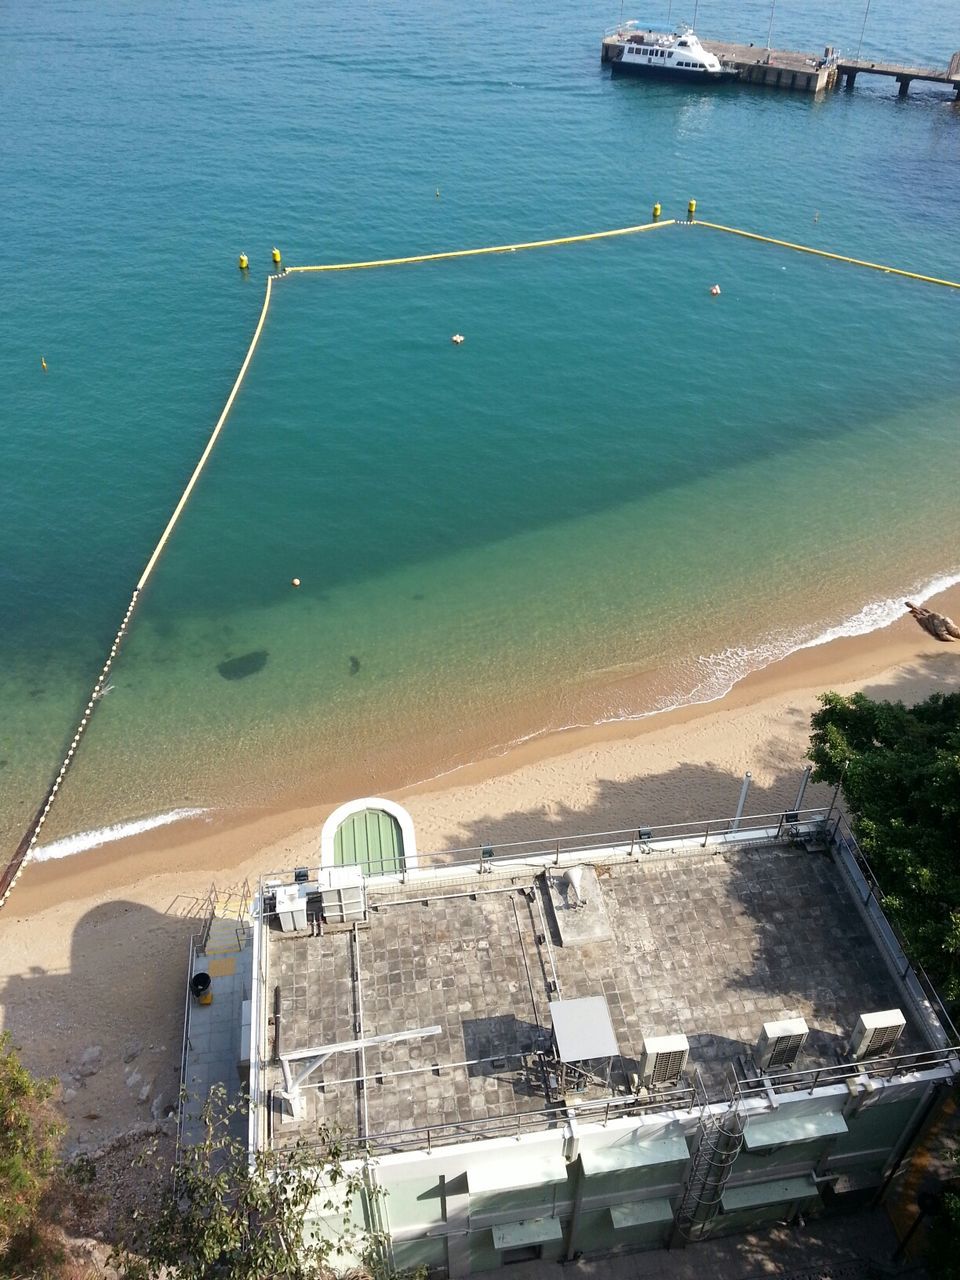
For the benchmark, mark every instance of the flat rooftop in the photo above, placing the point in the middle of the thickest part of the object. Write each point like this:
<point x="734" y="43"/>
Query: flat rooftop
<point x="709" y="945"/>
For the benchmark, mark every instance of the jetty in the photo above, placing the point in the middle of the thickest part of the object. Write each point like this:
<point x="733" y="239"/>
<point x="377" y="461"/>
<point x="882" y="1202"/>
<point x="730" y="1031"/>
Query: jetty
<point x="799" y="71"/>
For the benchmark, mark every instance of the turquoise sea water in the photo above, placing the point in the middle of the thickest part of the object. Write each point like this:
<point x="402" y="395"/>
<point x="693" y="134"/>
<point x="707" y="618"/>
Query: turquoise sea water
<point x="618" y="494"/>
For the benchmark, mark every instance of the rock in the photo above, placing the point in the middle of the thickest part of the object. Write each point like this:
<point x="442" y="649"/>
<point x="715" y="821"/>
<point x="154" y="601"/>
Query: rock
<point x="133" y="1079"/>
<point x="158" y="1107"/>
<point x="144" y="1093"/>
<point x="91" y="1115"/>
<point x="91" y="1061"/>
<point x="132" y="1049"/>
<point x="68" y="1095"/>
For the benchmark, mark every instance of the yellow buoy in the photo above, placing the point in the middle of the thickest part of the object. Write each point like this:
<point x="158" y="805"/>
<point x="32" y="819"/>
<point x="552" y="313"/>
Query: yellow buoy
<point x="691" y="208"/>
<point x="656" y="210"/>
<point x="276" y="255"/>
<point x="43" y="364"/>
<point x="243" y="262"/>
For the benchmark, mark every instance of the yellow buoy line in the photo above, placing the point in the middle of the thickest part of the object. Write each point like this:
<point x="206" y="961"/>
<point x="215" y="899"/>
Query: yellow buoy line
<point x="823" y="253"/>
<point x="476" y="253"/>
<point x="14" y="867"/>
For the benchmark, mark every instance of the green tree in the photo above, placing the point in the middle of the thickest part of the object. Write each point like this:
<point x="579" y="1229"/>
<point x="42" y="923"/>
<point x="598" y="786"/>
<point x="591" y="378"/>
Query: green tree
<point x="900" y="772"/>
<point x="29" y="1140"/>
<point x="226" y="1215"/>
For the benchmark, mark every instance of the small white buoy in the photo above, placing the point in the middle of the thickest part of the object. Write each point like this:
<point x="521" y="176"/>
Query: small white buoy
<point x="457" y="339"/>
<point x="294" y="582"/>
<point x="715" y="290"/>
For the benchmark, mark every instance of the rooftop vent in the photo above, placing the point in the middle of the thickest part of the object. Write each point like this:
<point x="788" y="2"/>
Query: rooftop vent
<point x="577" y="894"/>
<point x="876" y="1033"/>
<point x="663" y="1060"/>
<point x="780" y="1043"/>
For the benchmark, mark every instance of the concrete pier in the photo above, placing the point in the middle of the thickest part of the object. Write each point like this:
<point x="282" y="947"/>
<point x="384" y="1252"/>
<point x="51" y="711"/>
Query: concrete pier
<point x="799" y="71"/>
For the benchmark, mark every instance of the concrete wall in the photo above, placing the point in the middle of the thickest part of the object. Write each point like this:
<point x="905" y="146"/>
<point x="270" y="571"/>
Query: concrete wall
<point x="441" y="1208"/>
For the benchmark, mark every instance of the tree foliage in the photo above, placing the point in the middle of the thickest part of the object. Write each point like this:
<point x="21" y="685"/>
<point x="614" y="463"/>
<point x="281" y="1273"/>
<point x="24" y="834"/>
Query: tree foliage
<point x="900" y="772"/>
<point x="226" y="1215"/>
<point x="29" y="1139"/>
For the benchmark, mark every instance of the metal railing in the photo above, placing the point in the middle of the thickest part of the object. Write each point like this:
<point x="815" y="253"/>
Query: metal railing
<point x="514" y="1124"/>
<point x="889" y="1066"/>
<point x="842" y="836"/>
<point x="181" y="1097"/>
<point x="666" y="839"/>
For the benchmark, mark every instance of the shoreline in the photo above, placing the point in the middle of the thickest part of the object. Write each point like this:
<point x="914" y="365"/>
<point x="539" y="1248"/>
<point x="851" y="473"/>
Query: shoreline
<point x="204" y="844"/>
<point x="93" y="947"/>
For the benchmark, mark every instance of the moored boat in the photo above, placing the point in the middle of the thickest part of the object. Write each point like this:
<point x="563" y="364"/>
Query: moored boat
<point x="663" y="55"/>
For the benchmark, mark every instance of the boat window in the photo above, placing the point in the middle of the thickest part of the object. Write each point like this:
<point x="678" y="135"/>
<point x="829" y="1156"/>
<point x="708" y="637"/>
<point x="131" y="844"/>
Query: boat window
<point x="682" y="44"/>
<point x="669" y="55"/>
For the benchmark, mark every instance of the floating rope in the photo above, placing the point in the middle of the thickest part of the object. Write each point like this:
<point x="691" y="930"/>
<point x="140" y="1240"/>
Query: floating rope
<point x="834" y="257"/>
<point x="14" y="867"/>
<point x="475" y="253"/>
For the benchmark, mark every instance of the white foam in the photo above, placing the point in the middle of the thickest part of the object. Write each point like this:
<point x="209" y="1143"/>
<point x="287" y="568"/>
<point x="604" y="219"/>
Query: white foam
<point x="85" y="840"/>
<point x="719" y="672"/>
<point x="716" y="674"/>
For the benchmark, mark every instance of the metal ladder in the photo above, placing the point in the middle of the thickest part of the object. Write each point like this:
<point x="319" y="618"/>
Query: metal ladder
<point x="719" y="1140"/>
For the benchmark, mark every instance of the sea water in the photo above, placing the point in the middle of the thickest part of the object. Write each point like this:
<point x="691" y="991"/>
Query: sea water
<point x="618" y="495"/>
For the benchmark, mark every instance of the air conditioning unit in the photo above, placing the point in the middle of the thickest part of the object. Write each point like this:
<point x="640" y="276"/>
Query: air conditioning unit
<point x="876" y="1033"/>
<point x="343" y="898"/>
<point x="663" y="1060"/>
<point x="780" y="1043"/>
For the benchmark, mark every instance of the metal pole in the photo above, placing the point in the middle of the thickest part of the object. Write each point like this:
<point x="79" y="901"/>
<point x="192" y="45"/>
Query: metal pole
<point x="696" y="10"/>
<point x="803" y="786"/>
<point x="735" y="825"/>
<point x="773" y="7"/>
<point x="863" y="29"/>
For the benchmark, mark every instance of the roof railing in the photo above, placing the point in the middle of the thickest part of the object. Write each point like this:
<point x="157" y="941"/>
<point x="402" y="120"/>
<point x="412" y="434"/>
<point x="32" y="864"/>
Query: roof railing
<point x="809" y="1079"/>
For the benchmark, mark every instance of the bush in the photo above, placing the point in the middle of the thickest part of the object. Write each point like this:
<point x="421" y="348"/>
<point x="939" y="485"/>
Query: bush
<point x="29" y="1140"/>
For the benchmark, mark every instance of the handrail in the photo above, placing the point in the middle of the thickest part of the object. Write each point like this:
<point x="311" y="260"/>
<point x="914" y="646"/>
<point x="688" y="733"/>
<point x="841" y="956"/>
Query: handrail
<point x="514" y="1122"/>
<point x="843" y="832"/>
<point x="810" y="1078"/>
<point x="191" y="956"/>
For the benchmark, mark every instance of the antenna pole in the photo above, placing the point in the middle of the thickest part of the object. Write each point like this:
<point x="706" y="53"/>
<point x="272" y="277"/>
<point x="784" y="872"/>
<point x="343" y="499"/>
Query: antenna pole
<point x="773" y="8"/>
<point x="863" y="29"/>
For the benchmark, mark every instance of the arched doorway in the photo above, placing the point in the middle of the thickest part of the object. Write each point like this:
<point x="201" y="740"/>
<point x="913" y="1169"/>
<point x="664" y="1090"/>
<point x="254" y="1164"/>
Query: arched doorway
<point x="373" y="834"/>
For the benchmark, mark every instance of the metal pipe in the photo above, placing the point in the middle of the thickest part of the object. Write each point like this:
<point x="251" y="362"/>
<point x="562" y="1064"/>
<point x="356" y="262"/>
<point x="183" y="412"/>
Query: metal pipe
<point x="735" y="825"/>
<point x="444" y="897"/>
<point x="378" y="1076"/>
<point x="773" y="7"/>
<point x="364" y="1113"/>
<point x="802" y="788"/>
<point x="523" y="953"/>
<point x="548" y="943"/>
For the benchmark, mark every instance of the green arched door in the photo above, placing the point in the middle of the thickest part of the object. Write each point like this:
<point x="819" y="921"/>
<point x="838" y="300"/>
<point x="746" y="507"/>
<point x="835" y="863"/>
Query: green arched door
<point x="372" y="840"/>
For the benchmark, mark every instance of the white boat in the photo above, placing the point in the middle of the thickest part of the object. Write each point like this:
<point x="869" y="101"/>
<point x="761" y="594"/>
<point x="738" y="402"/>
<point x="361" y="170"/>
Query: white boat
<point x="663" y="55"/>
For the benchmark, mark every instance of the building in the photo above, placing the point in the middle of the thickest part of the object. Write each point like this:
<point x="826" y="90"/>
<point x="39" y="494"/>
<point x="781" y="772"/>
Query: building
<point x="621" y="1042"/>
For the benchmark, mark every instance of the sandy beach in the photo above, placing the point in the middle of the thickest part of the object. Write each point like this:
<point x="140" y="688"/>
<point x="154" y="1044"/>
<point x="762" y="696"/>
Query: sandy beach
<point x="93" y="947"/>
